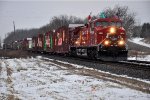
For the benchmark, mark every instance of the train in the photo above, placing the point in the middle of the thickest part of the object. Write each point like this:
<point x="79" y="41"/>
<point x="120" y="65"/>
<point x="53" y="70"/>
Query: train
<point x="102" y="38"/>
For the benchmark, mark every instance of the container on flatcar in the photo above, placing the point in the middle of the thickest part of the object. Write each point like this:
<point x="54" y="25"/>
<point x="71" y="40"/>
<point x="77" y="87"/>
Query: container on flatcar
<point x="48" y="42"/>
<point x="61" y="40"/>
<point x="40" y="43"/>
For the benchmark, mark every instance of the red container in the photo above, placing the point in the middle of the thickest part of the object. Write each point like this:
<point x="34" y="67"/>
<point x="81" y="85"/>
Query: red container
<point x="40" y="43"/>
<point x="61" y="40"/>
<point x="49" y="42"/>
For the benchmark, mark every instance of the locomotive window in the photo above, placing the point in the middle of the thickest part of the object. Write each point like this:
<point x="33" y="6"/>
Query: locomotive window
<point x="98" y="24"/>
<point x="113" y="24"/>
<point x="102" y="24"/>
<point x="105" y="24"/>
<point x="118" y="24"/>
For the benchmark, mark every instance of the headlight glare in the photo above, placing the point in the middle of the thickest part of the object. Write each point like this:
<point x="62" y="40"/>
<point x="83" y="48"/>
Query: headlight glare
<point x="112" y="30"/>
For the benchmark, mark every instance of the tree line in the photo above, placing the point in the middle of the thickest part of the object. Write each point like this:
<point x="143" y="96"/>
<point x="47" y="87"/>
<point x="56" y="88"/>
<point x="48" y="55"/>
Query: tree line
<point x="63" y="20"/>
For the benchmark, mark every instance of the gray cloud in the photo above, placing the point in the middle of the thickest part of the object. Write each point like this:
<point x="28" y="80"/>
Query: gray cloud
<point x="32" y="14"/>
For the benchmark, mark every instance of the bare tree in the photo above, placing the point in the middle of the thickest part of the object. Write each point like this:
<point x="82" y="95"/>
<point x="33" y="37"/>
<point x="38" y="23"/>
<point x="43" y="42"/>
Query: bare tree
<point x="55" y="22"/>
<point x="123" y="13"/>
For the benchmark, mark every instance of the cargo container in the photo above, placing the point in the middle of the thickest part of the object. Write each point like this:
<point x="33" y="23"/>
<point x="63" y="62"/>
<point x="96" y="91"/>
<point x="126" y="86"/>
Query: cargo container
<point x="61" y="40"/>
<point x="48" y="42"/>
<point x="40" y="42"/>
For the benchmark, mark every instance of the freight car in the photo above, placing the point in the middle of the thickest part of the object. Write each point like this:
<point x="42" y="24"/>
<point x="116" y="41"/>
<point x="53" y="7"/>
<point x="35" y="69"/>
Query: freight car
<point x="48" y="42"/>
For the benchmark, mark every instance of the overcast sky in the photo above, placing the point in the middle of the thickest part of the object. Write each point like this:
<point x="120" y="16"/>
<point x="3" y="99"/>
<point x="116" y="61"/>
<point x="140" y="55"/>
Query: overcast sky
<point x="34" y="14"/>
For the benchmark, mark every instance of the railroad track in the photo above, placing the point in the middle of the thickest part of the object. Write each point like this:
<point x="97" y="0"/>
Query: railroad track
<point x="134" y="64"/>
<point x="140" y="62"/>
<point x="141" y="65"/>
<point x="135" y="69"/>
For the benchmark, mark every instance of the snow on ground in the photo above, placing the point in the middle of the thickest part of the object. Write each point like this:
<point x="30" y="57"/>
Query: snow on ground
<point x="80" y="66"/>
<point x="140" y="58"/>
<point x="37" y="79"/>
<point x="139" y="41"/>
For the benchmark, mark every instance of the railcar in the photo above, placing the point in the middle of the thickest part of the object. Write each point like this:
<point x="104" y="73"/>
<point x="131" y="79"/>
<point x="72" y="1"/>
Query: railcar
<point x="40" y="43"/>
<point x="34" y="44"/>
<point x="48" y="42"/>
<point x="61" y="40"/>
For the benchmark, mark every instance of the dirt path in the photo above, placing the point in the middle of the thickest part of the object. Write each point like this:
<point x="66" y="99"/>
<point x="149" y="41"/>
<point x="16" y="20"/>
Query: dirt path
<point x="8" y="82"/>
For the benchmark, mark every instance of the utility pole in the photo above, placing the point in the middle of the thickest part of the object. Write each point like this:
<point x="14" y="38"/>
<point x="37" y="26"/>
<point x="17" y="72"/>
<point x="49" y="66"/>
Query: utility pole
<point x="14" y="35"/>
<point x="14" y="29"/>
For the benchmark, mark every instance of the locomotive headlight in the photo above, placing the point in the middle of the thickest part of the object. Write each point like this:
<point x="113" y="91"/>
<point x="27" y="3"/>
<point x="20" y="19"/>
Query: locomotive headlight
<point x="106" y="42"/>
<point x="112" y="30"/>
<point x="76" y="42"/>
<point x="121" y="42"/>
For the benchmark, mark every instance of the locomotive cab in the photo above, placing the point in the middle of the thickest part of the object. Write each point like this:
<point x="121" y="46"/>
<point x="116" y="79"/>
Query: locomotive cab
<point x="111" y="39"/>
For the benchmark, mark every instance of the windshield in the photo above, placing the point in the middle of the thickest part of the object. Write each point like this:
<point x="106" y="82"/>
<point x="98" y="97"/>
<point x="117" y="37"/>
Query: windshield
<point x="104" y="23"/>
<point x="118" y="24"/>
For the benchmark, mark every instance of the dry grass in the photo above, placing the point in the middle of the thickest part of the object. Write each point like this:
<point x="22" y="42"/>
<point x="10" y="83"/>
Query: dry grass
<point x="9" y="71"/>
<point x="15" y="54"/>
<point x="137" y="53"/>
<point x="146" y="40"/>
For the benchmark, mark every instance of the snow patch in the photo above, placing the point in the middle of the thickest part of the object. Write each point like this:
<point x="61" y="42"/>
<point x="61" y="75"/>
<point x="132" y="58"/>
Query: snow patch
<point x="140" y="58"/>
<point x="139" y="41"/>
<point x="45" y="80"/>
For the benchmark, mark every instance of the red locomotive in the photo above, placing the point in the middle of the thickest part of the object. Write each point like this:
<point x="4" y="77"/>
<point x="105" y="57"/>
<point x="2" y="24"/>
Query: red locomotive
<point x="102" y="38"/>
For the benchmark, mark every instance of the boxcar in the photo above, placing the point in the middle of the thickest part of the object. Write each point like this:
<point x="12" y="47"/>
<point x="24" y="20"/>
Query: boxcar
<point x="48" y="42"/>
<point x="61" y="40"/>
<point x="40" y="43"/>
